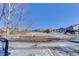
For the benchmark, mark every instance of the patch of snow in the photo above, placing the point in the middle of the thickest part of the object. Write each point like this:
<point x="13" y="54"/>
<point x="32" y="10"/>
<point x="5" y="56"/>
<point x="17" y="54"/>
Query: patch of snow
<point x="38" y="52"/>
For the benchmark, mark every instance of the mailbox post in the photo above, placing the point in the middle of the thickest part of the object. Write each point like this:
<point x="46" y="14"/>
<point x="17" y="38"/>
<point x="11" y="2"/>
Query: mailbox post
<point x="4" y="45"/>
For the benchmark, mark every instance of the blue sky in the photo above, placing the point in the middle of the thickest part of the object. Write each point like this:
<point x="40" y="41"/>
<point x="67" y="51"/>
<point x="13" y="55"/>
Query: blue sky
<point x="53" y="15"/>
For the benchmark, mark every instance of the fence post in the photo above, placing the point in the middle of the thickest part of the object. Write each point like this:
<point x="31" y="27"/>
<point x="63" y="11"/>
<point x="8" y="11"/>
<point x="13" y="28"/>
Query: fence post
<point x="6" y="48"/>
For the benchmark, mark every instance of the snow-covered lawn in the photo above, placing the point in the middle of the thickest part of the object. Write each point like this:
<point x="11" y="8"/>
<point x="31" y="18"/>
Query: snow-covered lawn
<point x="38" y="48"/>
<point x="31" y="52"/>
<point x="21" y="48"/>
<point x="40" y="44"/>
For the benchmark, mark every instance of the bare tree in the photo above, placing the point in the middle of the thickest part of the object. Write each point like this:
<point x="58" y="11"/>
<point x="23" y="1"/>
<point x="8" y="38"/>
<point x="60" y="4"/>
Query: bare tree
<point x="2" y="12"/>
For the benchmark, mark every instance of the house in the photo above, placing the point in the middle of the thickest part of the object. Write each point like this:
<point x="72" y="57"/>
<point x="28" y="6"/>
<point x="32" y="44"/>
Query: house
<point x="73" y="29"/>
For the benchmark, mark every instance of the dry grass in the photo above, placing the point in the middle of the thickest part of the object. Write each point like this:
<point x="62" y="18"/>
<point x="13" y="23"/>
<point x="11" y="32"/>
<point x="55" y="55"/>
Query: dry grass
<point x="75" y="36"/>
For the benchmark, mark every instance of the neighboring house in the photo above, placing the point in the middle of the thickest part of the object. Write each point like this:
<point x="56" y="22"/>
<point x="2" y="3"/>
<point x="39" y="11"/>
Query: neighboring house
<point x="76" y="27"/>
<point x="61" y="30"/>
<point x="73" y="29"/>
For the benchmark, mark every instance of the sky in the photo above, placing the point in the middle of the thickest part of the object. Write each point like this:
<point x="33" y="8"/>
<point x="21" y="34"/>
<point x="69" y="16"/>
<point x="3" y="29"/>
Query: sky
<point x="49" y="15"/>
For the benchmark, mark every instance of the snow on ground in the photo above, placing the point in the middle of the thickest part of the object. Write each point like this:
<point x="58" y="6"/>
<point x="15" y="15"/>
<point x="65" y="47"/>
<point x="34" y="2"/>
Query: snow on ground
<point x="59" y="35"/>
<point x="68" y="51"/>
<point x="36" y="34"/>
<point x="1" y="53"/>
<point x="31" y="52"/>
<point x="40" y="52"/>
<point x="40" y="44"/>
